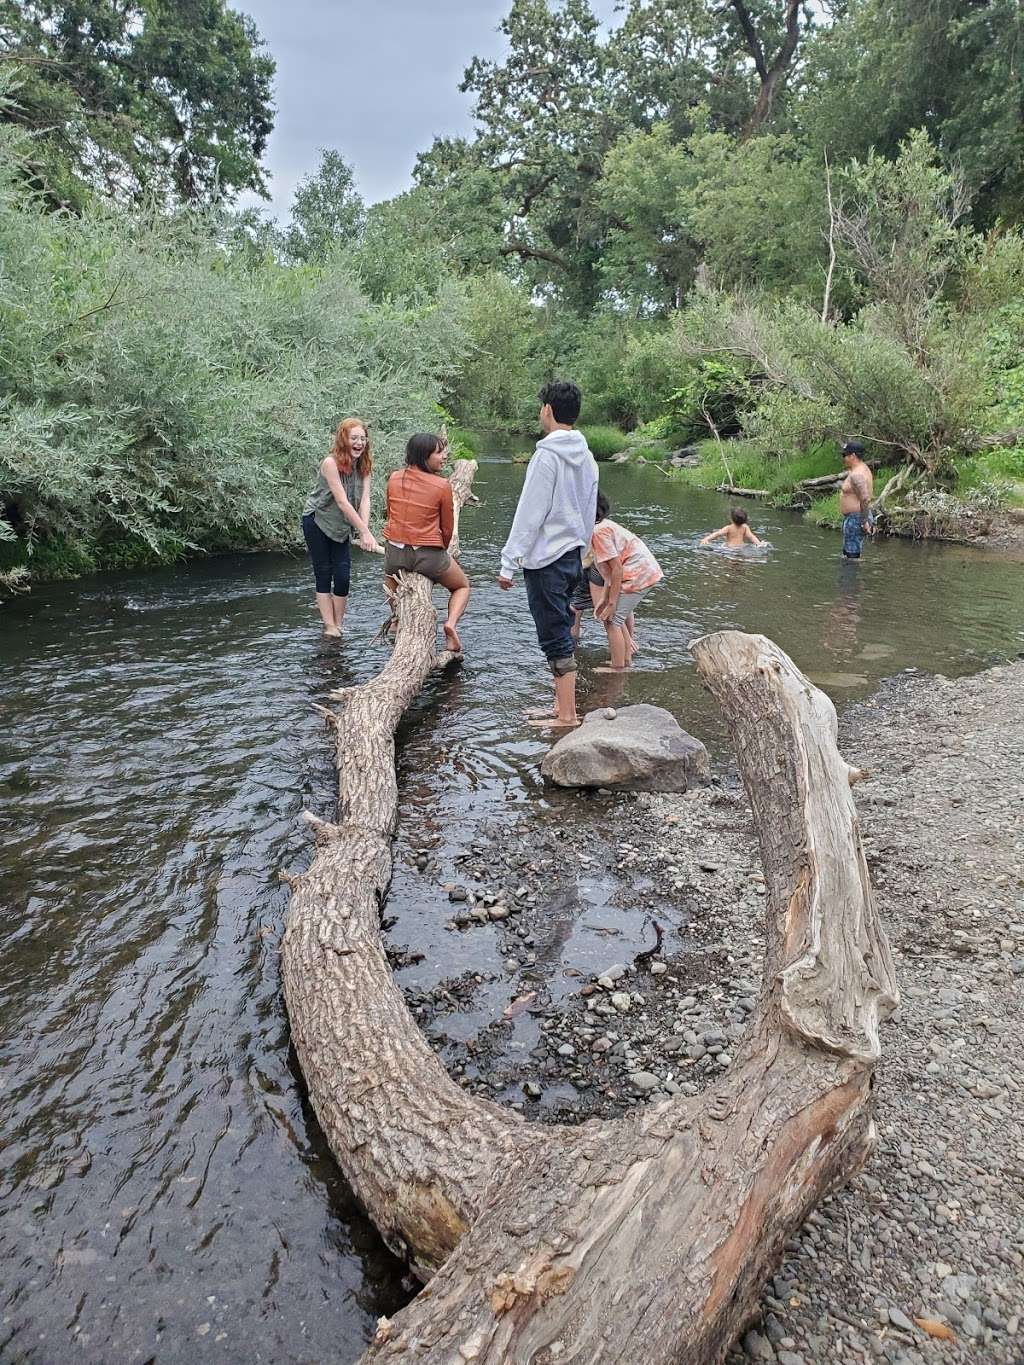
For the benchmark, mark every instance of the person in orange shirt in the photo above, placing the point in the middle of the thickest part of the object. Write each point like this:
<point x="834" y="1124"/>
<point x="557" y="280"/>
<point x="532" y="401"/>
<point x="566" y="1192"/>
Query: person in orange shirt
<point x="419" y="526"/>
<point x="629" y="571"/>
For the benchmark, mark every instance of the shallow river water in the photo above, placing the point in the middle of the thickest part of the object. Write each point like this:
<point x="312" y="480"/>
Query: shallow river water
<point x="165" y="1193"/>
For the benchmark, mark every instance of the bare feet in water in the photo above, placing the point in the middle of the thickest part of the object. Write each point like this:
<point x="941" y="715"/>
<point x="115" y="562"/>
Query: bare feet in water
<point x="451" y="638"/>
<point x="332" y="633"/>
<point x="548" y="716"/>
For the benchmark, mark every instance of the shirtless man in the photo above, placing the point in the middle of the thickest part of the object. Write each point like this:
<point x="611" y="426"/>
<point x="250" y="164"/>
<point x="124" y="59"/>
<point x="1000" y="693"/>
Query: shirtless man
<point x="855" y="495"/>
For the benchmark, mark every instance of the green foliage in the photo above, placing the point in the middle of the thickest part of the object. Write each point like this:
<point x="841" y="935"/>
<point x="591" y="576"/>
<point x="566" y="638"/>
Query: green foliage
<point x="158" y="390"/>
<point x="401" y="251"/>
<point x="327" y="211"/>
<point x="998" y="473"/>
<point x="136" y="99"/>
<point x="497" y="375"/>
<point x="889" y="66"/>
<point x="604" y="441"/>
<point x="463" y="443"/>
<point x="825" y="512"/>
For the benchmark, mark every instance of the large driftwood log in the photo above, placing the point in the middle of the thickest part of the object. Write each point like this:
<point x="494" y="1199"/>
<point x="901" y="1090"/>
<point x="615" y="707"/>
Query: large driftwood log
<point x="647" y="1238"/>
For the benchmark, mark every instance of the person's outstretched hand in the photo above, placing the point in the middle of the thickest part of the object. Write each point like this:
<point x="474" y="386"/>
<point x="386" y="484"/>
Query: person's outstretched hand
<point x="504" y="583"/>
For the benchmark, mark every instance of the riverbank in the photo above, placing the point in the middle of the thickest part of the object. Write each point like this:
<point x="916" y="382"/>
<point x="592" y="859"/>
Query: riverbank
<point x="932" y="1230"/>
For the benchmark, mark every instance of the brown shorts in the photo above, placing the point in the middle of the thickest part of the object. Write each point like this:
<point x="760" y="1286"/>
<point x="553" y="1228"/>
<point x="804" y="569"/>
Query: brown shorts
<point x="429" y="560"/>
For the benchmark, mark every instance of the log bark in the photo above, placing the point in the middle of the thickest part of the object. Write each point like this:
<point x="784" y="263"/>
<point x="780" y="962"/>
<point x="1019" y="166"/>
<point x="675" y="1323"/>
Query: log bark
<point x="647" y="1238"/>
<point x="417" y="1155"/>
<point x="742" y="492"/>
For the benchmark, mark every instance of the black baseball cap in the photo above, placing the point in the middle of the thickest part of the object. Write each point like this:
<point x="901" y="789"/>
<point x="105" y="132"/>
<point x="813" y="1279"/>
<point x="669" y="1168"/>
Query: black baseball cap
<point x="851" y="448"/>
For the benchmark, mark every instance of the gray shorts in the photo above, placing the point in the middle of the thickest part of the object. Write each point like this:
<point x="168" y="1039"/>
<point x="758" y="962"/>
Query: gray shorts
<point x="429" y="560"/>
<point x="628" y="603"/>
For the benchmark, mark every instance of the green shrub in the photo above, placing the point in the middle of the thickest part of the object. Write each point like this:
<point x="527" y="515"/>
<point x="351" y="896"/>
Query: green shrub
<point x="605" y="441"/>
<point x="162" y="393"/>
<point x="1000" y="469"/>
<point x="463" y="443"/>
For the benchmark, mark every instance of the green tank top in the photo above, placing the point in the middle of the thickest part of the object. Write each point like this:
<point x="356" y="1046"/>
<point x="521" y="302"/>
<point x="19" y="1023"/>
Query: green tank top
<point x="326" y="512"/>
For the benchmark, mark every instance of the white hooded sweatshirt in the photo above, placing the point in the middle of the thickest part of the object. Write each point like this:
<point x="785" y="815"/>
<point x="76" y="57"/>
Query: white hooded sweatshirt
<point x="557" y="506"/>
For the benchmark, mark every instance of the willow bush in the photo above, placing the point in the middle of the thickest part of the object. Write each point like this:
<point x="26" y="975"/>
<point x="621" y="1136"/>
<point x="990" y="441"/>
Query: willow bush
<point x="163" y="391"/>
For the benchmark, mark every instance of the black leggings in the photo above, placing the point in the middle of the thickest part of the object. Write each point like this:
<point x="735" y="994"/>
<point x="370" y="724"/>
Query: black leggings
<point x="332" y="559"/>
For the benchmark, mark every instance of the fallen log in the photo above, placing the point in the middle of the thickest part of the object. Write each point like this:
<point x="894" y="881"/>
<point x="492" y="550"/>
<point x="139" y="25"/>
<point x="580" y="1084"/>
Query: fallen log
<point x="647" y="1238"/>
<point x="356" y="1042"/>
<point x="820" y="481"/>
<point x="743" y="492"/>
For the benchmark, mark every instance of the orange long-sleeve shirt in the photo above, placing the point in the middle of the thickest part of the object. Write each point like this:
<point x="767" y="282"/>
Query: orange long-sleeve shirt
<point x="420" y="510"/>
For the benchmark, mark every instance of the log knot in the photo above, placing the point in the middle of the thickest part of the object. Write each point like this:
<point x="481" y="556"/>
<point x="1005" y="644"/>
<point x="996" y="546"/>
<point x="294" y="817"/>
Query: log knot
<point x="537" y="1279"/>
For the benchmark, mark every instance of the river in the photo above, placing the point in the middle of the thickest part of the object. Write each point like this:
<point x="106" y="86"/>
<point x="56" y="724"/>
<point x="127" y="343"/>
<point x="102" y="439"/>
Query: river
<point x="166" y="1194"/>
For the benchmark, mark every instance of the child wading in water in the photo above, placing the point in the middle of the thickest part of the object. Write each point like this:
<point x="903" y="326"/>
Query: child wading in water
<point x="736" y="533"/>
<point x="553" y="522"/>
<point x="629" y="571"/>
<point x="418" y="530"/>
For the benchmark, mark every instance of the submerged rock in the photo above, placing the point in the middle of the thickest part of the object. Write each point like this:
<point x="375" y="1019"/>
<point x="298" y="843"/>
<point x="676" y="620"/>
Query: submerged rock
<point x="635" y="748"/>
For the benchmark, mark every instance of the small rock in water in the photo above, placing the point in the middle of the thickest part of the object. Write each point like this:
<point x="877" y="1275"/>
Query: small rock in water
<point x="458" y="893"/>
<point x="659" y="968"/>
<point x="532" y="1090"/>
<point x="622" y="1002"/>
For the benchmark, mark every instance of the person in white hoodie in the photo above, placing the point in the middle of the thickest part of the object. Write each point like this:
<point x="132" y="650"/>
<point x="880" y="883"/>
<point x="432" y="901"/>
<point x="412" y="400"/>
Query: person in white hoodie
<point x="553" y="522"/>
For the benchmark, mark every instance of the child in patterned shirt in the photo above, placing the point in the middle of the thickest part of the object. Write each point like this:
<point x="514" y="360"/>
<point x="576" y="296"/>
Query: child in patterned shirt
<point x="629" y="571"/>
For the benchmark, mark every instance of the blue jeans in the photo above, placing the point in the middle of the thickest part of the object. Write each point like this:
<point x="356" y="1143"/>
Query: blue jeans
<point x="332" y="559"/>
<point x="549" y="592"/>
<point x="853" y="535"/>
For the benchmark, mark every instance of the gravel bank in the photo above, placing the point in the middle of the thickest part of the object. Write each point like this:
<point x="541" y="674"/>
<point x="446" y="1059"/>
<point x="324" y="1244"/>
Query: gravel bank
<point x="934" y="1229"/>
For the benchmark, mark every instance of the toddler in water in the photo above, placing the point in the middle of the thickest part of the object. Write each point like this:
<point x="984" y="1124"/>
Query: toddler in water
<point x="737" y="532"/>
<point x="629" y="572"/>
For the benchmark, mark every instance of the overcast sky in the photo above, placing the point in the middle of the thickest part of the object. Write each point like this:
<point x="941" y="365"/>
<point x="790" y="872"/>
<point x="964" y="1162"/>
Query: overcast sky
<point x="376" y="81"/>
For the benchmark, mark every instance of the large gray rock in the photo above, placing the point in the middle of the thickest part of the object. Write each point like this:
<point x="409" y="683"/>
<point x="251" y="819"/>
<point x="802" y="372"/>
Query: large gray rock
<point x="637" y="748"/>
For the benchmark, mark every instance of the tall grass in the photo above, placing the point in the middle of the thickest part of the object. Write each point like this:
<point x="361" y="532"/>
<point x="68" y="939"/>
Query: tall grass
<point x="605" y="441"/>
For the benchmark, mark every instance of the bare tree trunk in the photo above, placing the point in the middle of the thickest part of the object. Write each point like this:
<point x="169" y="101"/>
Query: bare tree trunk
<point x="771" y="74"/>
<point x="827" y="302"/>
<point x="644" y="1239"/>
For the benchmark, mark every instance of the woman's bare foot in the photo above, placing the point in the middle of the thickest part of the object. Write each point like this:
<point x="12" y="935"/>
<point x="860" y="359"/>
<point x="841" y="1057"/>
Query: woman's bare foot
<point x="451" y="636"/>
<point x="332" y="632"/>
<point x="541" y="713"/>
<point x="554" y="722"/>
<point x="610" y="668"/>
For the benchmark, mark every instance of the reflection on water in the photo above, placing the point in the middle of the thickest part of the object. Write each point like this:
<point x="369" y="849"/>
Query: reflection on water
<point x="166" y="1194"/>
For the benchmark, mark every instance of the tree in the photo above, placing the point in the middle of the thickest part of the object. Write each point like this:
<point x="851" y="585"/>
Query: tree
<point x="650" y="254"/>
<point x="543" y="129"/>
<point x="669" y="57"/>
<point x="163" y="97"/>
<point x="496" y="377"/>
<point x="952" y="67"/>
<point x="327" y="210"/>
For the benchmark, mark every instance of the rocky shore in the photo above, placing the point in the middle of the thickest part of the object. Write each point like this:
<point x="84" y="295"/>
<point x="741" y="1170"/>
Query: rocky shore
<point x="921" y="1258"/>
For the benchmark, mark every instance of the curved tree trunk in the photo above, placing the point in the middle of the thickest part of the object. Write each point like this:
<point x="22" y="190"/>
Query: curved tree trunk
<point x="647" y="1238"/>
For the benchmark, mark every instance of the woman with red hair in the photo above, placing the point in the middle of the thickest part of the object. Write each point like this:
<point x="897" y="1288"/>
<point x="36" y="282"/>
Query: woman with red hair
<point x="339" y="502"/>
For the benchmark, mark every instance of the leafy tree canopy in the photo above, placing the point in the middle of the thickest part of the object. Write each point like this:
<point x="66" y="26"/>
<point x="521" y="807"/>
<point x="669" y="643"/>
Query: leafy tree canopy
<point x="171" y="98"/>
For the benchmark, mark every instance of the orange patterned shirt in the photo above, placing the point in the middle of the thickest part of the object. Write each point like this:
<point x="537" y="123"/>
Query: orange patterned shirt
<point x="640" y="569"/>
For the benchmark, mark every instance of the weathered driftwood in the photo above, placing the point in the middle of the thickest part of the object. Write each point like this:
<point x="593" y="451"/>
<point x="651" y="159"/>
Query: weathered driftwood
<point x="742" y="492"/>
<point x="647" y="1238"/>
